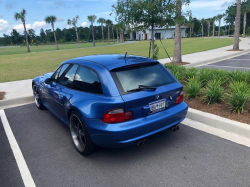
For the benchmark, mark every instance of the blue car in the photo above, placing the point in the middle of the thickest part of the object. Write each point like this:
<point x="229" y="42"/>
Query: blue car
<point x="111" y="100"/>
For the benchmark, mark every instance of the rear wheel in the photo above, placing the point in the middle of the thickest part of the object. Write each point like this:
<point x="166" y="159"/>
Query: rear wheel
<point x="37" y="97"/>
<point x="80" y="135"/>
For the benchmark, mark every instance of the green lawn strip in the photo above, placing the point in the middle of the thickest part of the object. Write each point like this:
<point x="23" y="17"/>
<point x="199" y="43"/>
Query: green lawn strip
<point x="29" y="65"/>
<point x="41" y="48"/>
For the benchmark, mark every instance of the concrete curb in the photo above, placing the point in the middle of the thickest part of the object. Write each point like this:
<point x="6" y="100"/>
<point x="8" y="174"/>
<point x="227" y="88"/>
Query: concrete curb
<point x="15" y="102"/>
<point x="217" y="59"/>
<point x="225" y="124"/>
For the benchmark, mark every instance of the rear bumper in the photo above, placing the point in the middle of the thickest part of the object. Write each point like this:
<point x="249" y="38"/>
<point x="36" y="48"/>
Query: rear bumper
<point x="127" y="133"/>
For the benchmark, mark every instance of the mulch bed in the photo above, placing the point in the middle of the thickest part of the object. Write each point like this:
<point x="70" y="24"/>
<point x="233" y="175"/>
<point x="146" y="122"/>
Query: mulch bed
<point x="235" y="50"/>
<point x="179" y="64"/>
<point x="2" y="95"/>
<point x="220" y="110"/>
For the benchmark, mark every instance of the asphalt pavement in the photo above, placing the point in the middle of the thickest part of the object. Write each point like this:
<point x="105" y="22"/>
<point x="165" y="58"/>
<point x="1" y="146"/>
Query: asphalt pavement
<point x="186" y="158"/>
<point x="241" y="63"/>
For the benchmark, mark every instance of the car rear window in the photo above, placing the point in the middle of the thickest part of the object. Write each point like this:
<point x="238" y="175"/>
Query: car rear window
<point x="130" y="77"/>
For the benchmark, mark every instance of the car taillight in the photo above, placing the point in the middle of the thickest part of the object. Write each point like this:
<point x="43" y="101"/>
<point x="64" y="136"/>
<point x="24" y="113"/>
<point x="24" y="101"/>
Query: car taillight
<point x="117" y="116"/>
<point x="179" y="99"/>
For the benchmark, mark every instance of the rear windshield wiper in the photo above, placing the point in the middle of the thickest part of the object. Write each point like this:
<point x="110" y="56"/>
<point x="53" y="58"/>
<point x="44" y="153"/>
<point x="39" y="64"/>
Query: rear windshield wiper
<point x="142" y="87"/>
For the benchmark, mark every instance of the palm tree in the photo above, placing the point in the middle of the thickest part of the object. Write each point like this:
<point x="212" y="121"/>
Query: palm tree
<point x="208" y="25"/>
<point x="74" y="22"/>
<point x="108" y="24"/>
<point x="177" y="45"/>
<point x="117" y="33"/>
<point x="189" y="13"/>
<point x="245" y="10"/>
<point x="237" y="27"/>
<point x="202" y="25"/>
<point x="21" y="16"/>
<point x="52" y="19"/>
<point x="219" y="17"/>
<point x="101" y="21"/>
<point x="113" y="33"/>
<point x="213" y="19"/>
<point x="92" y="19"/>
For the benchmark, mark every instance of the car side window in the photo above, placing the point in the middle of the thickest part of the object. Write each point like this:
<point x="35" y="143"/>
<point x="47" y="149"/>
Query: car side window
<point x="87" y="80"/>
<point x="67" y="75"/>
<point x="55" y="75"/>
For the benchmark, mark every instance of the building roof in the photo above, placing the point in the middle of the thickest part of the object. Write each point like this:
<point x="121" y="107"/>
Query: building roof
<point x="111" y="61"/>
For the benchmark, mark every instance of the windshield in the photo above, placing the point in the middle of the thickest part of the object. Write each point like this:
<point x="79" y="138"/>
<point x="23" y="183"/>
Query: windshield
<point x="151" y="75"/>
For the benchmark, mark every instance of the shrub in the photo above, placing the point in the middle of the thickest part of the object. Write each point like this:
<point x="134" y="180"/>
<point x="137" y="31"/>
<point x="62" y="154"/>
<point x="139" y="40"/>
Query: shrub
<point x="213" y="93"/>
<point x="193" y="87"/>
<point x="177" y="71"/>
<point x="239" y="97"/>
<point x="190" y="73"/>
<point x="156" y="52"/>
<point x="204" y="75"/>
<point x="239" y="76"/>
<point x="220" y="75"/>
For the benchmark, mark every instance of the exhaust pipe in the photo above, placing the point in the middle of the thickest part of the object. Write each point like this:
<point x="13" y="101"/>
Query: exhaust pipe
<point x="174" y="129"/>
<point x="141" y="142"/>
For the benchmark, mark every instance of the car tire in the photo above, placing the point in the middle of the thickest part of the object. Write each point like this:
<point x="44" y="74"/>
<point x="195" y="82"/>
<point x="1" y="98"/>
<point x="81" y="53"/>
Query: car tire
<point x="80" y="135"/>
<point x="38" y="100"/>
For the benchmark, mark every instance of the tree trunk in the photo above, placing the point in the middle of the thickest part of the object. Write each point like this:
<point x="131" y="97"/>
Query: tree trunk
<point x="177" y="44"/>
<point x="153" y="40"/>
<point x="102" y="35"/>
<point x="208" y="28"/>
<point x="122" y="35"/>
<point x="244" y="25"/>
<point x="237" y="26"/>
<point x="27" y="42"/>
<point x="190" y="31"/>
<point x="93" y="34"/>
<point x="113" y="34"/>
<point x="202" y="30"/>
<point x="54" y="36"/>
<point x="219" y="28"/>
<point x="77" y="36"/>
<point x="213" y="29"/>
<point x="108" y="35"/>
<point x="117" y="35"/>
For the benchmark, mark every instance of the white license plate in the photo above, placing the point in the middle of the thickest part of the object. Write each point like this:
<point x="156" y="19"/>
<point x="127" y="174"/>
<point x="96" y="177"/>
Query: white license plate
<point x="157" y="106"/>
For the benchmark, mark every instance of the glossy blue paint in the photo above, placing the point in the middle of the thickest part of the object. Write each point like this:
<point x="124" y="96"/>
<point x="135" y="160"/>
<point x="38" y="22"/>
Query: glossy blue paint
<point x="61" y="101"/>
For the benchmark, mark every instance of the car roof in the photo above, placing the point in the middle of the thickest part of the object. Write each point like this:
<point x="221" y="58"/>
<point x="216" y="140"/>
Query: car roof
<point x="111" y="61"/>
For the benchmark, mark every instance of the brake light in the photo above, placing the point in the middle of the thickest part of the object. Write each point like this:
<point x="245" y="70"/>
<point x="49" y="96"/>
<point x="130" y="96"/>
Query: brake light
<point x="179" y="99"/>
<point x="117" y="116"/>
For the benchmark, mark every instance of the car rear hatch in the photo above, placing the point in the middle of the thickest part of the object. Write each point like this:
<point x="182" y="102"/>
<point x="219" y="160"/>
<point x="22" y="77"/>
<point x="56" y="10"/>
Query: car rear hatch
<point x="158" y="89"/>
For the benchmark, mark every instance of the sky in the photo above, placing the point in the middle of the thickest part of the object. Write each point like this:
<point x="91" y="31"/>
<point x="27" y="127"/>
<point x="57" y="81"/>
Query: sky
<point x="37" y="10"/>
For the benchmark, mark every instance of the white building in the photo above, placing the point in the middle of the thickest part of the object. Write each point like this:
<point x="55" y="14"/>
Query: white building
<point x="159" y="32"/>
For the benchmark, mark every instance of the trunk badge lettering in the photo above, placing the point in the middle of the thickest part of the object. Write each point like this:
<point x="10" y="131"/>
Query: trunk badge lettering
<point x="157" y="97"/>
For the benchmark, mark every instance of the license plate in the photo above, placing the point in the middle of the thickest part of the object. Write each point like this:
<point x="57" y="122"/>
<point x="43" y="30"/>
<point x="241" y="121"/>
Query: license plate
<point x="157" y="106"/>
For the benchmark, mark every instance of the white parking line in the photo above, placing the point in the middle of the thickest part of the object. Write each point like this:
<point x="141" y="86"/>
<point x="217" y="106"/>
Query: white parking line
<point x="227" y="66"/>
<point x="238" y="59"/>
<point x="217" y="132"/>
<point x="23" y="168"/>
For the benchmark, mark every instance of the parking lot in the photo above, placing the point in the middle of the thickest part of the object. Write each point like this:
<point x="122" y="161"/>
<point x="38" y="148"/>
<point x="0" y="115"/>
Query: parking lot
<point x="241" y="63"/>
<point x="188" y="157"/>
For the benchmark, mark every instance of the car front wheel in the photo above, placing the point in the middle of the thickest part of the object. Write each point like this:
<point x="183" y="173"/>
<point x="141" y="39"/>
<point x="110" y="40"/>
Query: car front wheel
<point x="80" y="135"/>
<point x="37" y="97"/>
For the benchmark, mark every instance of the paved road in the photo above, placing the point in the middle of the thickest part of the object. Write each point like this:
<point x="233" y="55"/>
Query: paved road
<point x="186" y="158"/>
<point x="241" y="63"/>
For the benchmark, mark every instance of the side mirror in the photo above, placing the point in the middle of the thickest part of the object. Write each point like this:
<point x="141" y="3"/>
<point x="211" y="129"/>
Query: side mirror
<point x="48" y="81"/>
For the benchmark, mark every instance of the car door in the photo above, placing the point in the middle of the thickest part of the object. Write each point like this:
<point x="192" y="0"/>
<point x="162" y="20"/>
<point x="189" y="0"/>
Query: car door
<point x="59" y="91"/>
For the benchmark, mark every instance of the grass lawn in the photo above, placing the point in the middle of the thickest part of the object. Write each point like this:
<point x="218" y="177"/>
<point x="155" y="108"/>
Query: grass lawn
<point x="29" y="65"/>
<point x="23" y="49"/>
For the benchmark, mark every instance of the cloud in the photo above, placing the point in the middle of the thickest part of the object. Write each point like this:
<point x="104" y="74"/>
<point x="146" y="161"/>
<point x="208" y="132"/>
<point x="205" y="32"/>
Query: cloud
<point x="59" y="3"/>
<point x="84" y="24"/>
<point x="9" y="6"/>
<point x="4" y="25"/>
<point x="210" y="5"/>
<point x="59" y="19"/>
<point x="35" y="25"/>
<point x="227" y="4"/>
<point x="66" y="26"/>
<point x="103" y="13"/>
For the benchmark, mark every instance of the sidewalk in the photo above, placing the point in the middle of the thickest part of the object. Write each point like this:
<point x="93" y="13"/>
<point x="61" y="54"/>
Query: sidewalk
<point x="20" y="89"/>
<point x="204" y="57"/>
